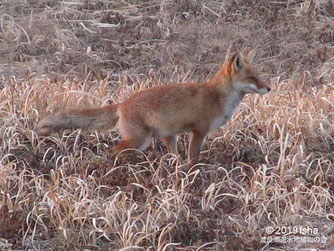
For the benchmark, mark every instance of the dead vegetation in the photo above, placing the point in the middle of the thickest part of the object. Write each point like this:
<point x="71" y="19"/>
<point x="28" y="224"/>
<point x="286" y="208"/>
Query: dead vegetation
<point x="271" y="166"/>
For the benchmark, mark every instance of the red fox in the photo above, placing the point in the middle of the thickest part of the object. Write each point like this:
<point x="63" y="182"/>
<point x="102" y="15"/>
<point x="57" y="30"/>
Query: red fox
<point x="165" y="111"/>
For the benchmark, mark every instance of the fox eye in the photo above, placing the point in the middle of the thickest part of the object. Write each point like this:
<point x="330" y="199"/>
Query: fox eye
<point x="253" y="79"/>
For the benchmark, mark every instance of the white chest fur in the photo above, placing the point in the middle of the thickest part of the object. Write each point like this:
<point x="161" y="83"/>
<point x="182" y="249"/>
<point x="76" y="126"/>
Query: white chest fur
<point x="229" y="104"/>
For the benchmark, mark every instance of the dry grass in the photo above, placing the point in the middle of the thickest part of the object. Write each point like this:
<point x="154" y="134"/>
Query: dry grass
<point x="271" y="166"/>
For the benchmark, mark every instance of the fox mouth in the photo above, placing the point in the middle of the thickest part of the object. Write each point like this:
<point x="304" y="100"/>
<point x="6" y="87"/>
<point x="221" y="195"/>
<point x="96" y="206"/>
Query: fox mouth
<point x="263" y="90"/>
<point x="251" y="88"/>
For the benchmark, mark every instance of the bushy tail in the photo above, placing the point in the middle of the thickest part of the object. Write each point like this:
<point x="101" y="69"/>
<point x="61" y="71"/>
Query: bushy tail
<point x="97" y="118"/>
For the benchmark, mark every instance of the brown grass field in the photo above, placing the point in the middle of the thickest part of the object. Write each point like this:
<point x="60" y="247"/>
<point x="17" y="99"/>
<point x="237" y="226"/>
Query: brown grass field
<point x="265" y="179"/>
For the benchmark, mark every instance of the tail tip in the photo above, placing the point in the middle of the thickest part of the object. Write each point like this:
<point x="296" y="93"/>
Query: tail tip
<point x="43" y="131"/>
<point x="45" y="127"/>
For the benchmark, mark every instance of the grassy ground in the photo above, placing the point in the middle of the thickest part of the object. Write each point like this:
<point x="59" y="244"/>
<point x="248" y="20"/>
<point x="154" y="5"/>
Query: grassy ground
<point x="268" y="173"/>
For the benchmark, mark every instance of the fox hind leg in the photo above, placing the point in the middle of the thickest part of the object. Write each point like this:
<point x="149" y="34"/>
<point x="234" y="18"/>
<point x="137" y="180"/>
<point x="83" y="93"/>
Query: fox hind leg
<point x="137" y="143"/>
<point x="114" y="151"/>
<point x="133" y="136"/>
<point x="171" y="144"/>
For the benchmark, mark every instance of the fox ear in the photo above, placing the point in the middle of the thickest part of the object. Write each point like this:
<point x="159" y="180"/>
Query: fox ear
<point x="237" y="62"/>
<point x="249" y="56"/>
<point x="227" y="55"/>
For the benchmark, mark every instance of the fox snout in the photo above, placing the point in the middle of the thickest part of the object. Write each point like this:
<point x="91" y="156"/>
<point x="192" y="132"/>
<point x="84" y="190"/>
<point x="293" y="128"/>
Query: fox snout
<point x="252" y="88"/>
<point x="256" y="85"/>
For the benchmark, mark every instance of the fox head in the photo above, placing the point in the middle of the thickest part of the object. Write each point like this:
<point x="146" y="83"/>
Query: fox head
<point x="244" y="76"/>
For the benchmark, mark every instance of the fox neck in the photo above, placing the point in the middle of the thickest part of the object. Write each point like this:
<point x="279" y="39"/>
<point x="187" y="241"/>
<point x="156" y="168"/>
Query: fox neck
<point x="228" y="96"/>
<point x="222" y="83"/>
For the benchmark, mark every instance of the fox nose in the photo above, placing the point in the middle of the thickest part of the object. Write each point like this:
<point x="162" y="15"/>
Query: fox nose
<point x="269" y="89"/>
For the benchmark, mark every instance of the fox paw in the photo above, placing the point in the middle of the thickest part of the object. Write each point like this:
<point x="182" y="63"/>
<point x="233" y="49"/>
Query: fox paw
<point x="112" y="152"/>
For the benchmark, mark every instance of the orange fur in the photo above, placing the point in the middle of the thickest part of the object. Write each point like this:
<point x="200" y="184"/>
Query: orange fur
<point x="165" y="111"/>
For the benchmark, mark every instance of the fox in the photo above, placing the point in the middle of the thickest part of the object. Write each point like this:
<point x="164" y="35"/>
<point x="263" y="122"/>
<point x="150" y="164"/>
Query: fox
<point x="165" y="111"/>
